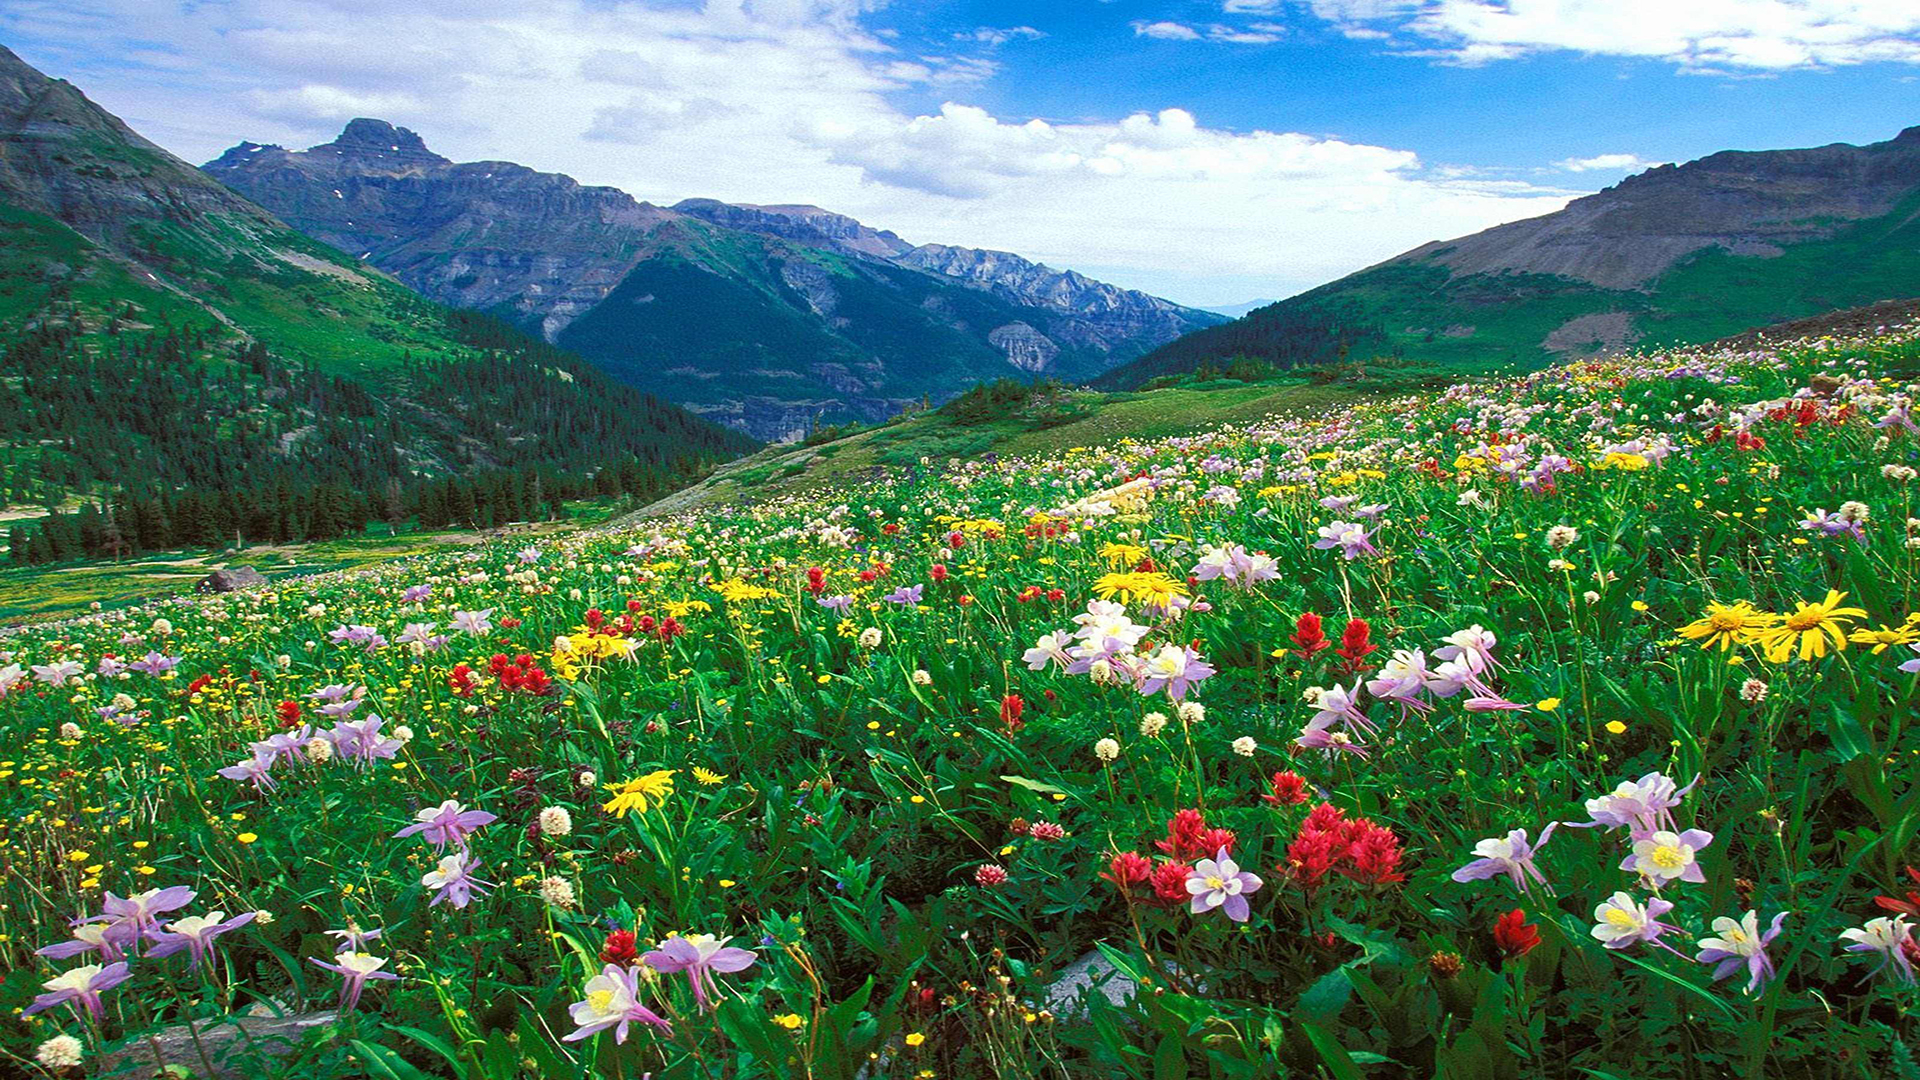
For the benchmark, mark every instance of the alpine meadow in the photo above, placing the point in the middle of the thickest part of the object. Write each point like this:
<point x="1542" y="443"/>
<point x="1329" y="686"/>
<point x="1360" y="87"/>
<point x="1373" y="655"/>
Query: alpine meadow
<point x="638" y="614"/>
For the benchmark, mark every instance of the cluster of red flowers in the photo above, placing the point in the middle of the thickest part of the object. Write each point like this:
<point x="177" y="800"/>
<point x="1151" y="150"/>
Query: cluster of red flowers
<point x="288" y="713"/>
<point x="1809" y="412"/>
<point x="1289" y="789"/>
<point x="1189" y="837"/>
<point x="519" y="673"/>
<point x="1742" y="440"/>
<point x="665" y="629"/>
<point x="1356" y="643"/>
<point x="1047" y="530"/>
<point x="597" y="623"/>
<point x="1011" y="707"/>
<point x="1356" y="848"/>
<point x="621" y="947"/>
<point x="1035" y="592"/>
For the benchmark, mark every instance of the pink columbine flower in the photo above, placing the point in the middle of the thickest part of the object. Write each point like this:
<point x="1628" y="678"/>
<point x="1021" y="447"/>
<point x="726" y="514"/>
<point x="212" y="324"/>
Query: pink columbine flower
<point x="354" y="969"/>
<point x="89" y="935"/>
<point x="448" y="823"/>
<point x="699" y="956"/>
<point x="1220" y="883"/>
<point x="1738" y="944"/>
<point x="612" y="1001"/>
<point x="1642" y="806"/>
<point x="1511" y="855"/>
<point x="81" y="988"/>
<point x="473" y="622"/>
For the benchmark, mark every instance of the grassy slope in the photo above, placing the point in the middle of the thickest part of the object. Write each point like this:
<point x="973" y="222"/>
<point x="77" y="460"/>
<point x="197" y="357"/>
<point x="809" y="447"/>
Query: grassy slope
<point x="1425" y="311"/>
<point x="1109" y="418"/>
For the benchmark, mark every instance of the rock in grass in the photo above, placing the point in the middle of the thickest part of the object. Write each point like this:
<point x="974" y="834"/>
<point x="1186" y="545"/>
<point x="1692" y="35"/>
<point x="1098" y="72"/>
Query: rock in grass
<point x="230" y="579"/>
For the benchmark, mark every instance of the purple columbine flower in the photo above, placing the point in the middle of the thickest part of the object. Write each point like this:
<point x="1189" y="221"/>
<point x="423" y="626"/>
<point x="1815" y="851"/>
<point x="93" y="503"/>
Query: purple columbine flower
<point x="420" y="636"/>
<point x="839" y="605"/>
<point x="282" y="744"/>
<point x="1912" y="667"/>
<point x="1888" y="937"/>
<point x="81" y="988"/>
<point x="1340" y="705"/>
<point x="257" y="769"/>
<point x="905" y="594"/>
<point x="195" y="933"/>
<point x="1319" y="735"/>
<point x="1662" y="857"/>
<point x="448" y="823"/>
<point x="1220" y="883"/>
<point x="155" y="664"/>
<point x="360" y="740"/>
<point x="1402" y="680"/>
<point x="452" y="881"/>
<point x="1642" y="806"/>
<point x="1352" y="539"/>
<point x="612" y="1001"/>
<point x="137" y="916"/>
<point x="1175" y="668"/>
<point x="1511" y="855"/>
<point x="110" y="667"/>
<point x="699" y="956"/>
<point x="413" y="594"/>
<point x="1738" y="944"/>
<point x="354" y="969"/>
<point x="353" y="939"/>
<point x="89" y="935"/>
<point x="1623" y="922"/>
<point x="473" y="622"/>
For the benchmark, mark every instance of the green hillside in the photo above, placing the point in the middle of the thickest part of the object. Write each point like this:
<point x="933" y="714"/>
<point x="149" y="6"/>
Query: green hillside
<point x="181" y="369"/>
<point x="1474" y="304"/>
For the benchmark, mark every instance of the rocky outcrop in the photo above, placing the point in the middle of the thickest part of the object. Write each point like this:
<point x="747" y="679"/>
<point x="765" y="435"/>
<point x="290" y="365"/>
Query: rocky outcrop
<point x="808" y="225"/>
<point x="1026" y="348"/>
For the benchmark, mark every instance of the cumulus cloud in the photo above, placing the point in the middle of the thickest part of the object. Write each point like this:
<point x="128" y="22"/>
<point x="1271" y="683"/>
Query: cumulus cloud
<point x="1165" y="31"/>
<point x="998" y="35"/>
<point x="1608" y="163"/>
<point x="1749" y="35"/>
<point x="771" y="101"/>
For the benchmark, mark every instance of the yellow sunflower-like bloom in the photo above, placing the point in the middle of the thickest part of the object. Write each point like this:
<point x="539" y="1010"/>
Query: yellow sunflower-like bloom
<point x="640" y="793"/>
<point x="1727" y="625"/>
<point x="1886" y="637"/>
<point x="1809" y="629"/>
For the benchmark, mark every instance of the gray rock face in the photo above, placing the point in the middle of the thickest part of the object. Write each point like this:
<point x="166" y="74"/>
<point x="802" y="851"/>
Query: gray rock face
<point x="1026" y="348"/>
<point x="228" y="1049"/>
<point x="1749" y="202"/>
<point x="231" y="579"/>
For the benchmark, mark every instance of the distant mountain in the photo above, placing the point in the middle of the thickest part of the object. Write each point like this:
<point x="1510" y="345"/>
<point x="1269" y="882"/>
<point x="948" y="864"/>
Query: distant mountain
<point x="768" y="318"/>
<point x="163" y="338"/>
<point x="1676" y="254"/>
<point x="1234" y="311"/>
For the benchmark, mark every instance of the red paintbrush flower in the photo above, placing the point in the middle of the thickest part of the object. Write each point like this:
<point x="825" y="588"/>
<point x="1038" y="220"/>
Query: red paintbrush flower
<point x="1514" y="936"/>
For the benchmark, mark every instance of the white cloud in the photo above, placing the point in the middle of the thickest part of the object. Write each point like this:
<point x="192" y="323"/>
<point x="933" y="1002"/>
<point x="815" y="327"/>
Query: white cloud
<point x="1252" y="34"/>
<point x="761" y="101"/>
<point x="1608" y="163"/>
<point x="1165" y="31"/>
<point x="999" y="35"/>
<point x="1752" y="35"/>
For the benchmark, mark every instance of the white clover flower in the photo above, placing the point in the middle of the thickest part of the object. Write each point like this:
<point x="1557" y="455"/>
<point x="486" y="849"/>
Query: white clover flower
<point x="1753" y="691"/>
<point x="1854" y="512"/>
<point x="319" y="750"/>
<point x="403" y="733"/>
<point x="587" y="779"/>
<point x="556" y="821"/>
<point x="558" y="892"/>
<point x="1192" y="712"/>
<point x="1153" y="723"/>
<point x="870" y="638"/>
<point x="69" y="730"/>
<point x="59" y="1052"/>
<point x="1106" y="749"/>
<point x="922" y="677"/>
<point x="1561" y="537"/>
<point x="1244" y="746"/>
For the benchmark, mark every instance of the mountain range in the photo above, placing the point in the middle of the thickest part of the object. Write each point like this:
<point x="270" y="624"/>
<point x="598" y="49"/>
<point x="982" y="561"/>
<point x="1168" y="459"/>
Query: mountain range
<point x="1675" y="255"/>
<point x="771" y="319"/>
<point x="163" y="338"/>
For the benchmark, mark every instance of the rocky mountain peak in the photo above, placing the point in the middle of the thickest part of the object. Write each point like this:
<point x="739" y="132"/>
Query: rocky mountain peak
<point x="379" y="141"/>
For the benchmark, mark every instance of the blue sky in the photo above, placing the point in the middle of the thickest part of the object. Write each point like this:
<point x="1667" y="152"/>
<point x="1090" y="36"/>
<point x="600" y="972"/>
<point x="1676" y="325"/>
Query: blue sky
<point x="1211" y="151"/>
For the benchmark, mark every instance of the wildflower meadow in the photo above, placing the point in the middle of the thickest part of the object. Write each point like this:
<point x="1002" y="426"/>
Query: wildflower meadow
<point x="1553" y="726"/>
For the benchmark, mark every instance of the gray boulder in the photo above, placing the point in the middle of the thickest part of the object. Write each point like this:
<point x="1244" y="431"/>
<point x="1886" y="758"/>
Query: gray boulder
<point x="227" y="580"/>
